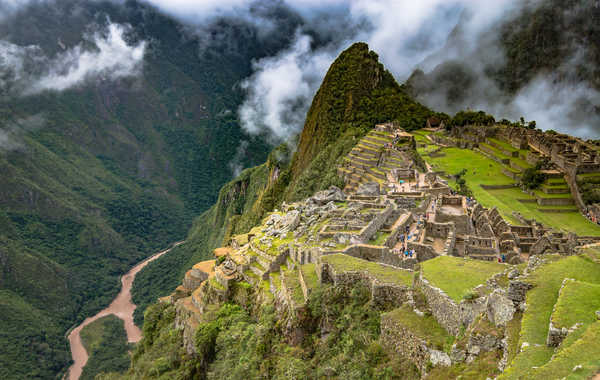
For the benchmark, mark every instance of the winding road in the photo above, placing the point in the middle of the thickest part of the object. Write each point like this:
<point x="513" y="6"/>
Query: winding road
<point x="122" y="306"/>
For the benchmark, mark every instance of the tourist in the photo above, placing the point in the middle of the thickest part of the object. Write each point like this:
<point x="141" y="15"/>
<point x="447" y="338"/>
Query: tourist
<point x="503" y="258"/>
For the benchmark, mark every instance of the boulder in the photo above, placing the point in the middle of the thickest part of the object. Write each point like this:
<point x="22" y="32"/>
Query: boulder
<point x="333" y="194"/>
<point x="439" y="358"/>
<point x="291" y="220"/>
<point x="499" y="308"/>
<point x="368" y="189"/>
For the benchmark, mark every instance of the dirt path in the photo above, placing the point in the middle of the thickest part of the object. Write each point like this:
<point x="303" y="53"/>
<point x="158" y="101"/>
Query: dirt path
<point x="122" y="306"/>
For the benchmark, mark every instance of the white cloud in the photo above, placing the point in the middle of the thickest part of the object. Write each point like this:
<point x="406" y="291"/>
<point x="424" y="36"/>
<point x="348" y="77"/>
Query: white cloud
<point x="113" y="59"/>
<point x="25" y="70"/>
<point x="281" y="88"/>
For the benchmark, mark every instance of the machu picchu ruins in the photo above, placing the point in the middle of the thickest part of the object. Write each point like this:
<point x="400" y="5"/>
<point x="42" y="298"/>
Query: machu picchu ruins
<point x="428" y="255"/>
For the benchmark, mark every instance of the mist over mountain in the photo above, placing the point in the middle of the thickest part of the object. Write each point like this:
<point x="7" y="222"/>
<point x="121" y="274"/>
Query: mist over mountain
<point x="121" y="120"/>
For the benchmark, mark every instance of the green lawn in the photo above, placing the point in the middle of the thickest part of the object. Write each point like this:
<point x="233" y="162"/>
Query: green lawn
<point x="503" y="144"/>
<point x="585" y="351"/>
<point x="547" y="281"/>
<point x="482" y="170"/>
<point x="385" y="274"/>
<point x="457" y="276"/>
<point x="426" y="327"/>
<point x="578" y="302"/>
<point x="495" y="151"/>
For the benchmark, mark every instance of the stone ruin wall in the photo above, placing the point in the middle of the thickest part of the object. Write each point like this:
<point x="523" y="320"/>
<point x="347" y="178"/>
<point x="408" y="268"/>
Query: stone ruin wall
<point x="400" y="341"/>
<point x="382" y="294"/>
<point x="449" y="314"/>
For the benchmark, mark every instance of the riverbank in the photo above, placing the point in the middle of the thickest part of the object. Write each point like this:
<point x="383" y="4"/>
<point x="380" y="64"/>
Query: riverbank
<point x="122" y="307"/>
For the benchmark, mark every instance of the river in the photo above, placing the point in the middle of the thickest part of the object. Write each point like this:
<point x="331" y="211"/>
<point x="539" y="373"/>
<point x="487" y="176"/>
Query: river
<point x="122" y="306"/>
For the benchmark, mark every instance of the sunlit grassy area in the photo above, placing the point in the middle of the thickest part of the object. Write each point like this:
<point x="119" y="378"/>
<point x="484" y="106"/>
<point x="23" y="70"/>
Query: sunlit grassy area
<point x="457" y="276"/>
<point x="585" y="352"/>
<point x="577" y="303"/>
<point x="310" y="275"/>
<point x="481" y="170"/>
<point x="547" y="281"/>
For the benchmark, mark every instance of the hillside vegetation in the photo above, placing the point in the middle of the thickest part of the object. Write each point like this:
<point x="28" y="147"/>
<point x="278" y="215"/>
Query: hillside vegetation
<point x="101" y="175"/>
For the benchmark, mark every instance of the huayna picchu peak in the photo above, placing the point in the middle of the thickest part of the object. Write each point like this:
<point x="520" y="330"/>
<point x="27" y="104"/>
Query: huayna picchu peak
<point x="299" y="190"/>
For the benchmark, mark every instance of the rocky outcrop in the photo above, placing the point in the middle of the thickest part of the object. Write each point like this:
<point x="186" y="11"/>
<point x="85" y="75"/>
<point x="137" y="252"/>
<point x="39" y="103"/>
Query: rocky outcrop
<point x="500" y="309"/>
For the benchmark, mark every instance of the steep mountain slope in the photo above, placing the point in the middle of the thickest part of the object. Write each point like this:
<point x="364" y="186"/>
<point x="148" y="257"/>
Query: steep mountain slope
<point x="98" y="176"/>
<point x="356" y="86"/>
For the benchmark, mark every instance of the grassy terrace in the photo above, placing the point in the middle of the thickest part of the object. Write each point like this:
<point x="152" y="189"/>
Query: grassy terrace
<point x="426" y="327"/>
<point x="457" y="276"/>
<point x="276" y="278"/>
<point x="292" y="282"/>
<point x="496" y="151"/>
<point x="547" y="281"/>
<point x="310" y="275"/>
<point x="578" y="302"/>
<point x="503" y="144"/>
<point x="383" y="273"/>
<point x="484" y="171"/>
<point x="585" y="351"/>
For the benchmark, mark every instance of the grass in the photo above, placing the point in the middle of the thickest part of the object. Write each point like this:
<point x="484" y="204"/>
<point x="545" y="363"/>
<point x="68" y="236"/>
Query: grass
<point x="457" y="276"/>
<point x="217" y="285"/>
<point x="547" y="281"/>
<point x="379" y="238"/>
<point x="482" y="170"/>
<point x="383" y="273"/>
<point x="577" y="302"/>
<point x="426" y="327"/>
<point x="276" y="277"/>
<point x="495" y="151"/>
<point x="483" y="367"/>
<point x="292" y="282"/>
<point x="310" y="275"/>
<point x="503" y="144"/>
<point x="584" y="351"/>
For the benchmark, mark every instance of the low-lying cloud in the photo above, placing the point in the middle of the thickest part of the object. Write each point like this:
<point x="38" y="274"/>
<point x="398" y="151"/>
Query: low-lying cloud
<point x="280" y="90"/>
<point x="112" y="59"/>
<point x="11" y="132"/>
<point x="25" y="70"/>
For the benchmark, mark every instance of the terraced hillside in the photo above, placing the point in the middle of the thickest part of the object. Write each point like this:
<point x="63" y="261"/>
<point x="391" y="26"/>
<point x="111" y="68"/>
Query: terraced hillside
<point x="378" y="157"/>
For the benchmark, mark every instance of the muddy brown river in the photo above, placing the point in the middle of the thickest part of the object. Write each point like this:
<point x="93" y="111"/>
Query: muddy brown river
<point x="122" y="306"/>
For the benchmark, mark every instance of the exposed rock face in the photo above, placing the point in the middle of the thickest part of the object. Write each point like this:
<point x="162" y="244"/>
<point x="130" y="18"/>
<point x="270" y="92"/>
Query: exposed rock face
<point x="369" y="189"/>
<point x="500" y="309"/>
<point x="439" y="358"/>
<point x="556" y="335"/>
<point x="333" y="194"/>
<point x="517" y="291"/>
